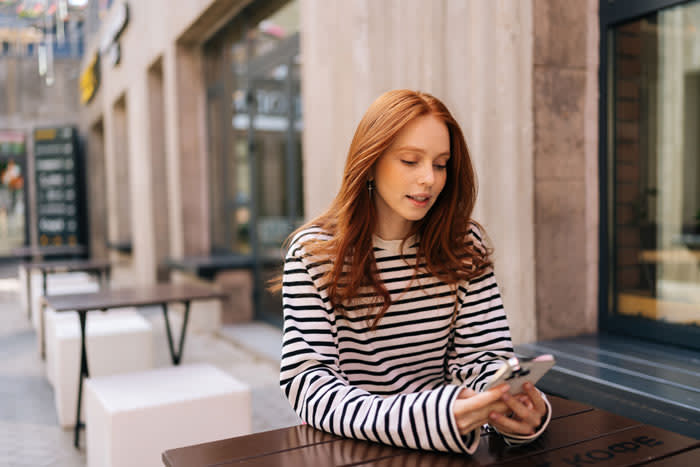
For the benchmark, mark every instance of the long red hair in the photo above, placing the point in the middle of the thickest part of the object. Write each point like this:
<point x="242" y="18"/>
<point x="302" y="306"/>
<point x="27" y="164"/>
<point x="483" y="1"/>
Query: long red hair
<point x="352" y="217"/>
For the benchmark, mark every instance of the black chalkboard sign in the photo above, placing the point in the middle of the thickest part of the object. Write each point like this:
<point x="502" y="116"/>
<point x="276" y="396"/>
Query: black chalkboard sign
<point x="59" y="187"/>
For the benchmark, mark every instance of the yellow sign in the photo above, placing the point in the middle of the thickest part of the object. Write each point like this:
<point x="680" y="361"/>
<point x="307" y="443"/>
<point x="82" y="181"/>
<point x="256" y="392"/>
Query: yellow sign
<point x="90" y="80"/>
<point x="43" y="134"/>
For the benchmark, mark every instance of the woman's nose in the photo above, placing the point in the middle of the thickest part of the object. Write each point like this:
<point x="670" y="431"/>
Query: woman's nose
<point x="426" y="175"/>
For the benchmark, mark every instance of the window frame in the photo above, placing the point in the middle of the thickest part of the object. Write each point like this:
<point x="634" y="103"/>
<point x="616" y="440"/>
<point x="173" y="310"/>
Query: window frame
<point x="614" y="13"/>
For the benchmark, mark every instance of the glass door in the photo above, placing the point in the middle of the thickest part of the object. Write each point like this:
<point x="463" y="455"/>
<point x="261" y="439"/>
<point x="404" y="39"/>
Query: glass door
<point x="653" y="167"/>
<point x="272" y="120"/>
<point x="255" y="122"/>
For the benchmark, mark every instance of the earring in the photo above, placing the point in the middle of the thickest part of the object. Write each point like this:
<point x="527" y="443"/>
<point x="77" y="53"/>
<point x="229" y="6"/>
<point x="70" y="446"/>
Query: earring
<point x="370" y="186"/>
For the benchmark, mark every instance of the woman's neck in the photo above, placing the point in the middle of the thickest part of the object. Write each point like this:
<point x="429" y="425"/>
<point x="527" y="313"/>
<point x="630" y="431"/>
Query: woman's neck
<point x="397" y="231"/>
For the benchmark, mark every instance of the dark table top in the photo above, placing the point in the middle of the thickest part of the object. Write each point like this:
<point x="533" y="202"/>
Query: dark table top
<point x="136" y="296"/>
<point x="69" y="265"/>
<point x="208" y="266"/>
<point x="577" y="435"/>
<point x="52" y="250"/>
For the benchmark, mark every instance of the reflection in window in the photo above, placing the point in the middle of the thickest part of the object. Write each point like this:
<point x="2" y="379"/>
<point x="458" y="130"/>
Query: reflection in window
<point x="254" y="86"/>
<point x="656" y="165"/>
<point x="12" y="228"/>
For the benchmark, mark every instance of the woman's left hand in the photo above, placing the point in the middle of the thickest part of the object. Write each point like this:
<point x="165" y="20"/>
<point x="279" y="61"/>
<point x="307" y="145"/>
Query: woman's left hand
<point x="528" y="410"/>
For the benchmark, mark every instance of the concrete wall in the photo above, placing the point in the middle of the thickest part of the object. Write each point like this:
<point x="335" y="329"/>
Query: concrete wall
<point x="566" y="59"/>
<point x="25" y="97"/>
<point x="477" y="56"/>
<point x="521" y="78"/>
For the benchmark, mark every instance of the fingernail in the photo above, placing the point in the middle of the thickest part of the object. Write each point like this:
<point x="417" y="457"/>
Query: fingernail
<point x="494" y="416"/>
<point x="505" y="396"/>
<point x="528" y="385"/>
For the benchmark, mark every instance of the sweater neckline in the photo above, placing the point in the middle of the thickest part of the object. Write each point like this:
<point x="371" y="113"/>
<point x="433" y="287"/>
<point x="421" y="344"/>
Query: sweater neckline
<point x="393" y="246"/>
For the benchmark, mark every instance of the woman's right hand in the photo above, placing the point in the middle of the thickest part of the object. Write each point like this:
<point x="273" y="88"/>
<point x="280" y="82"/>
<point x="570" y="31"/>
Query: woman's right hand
<point x="472" y="410"/>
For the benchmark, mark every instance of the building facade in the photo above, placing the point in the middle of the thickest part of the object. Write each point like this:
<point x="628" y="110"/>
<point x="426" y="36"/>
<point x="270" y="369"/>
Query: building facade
<point x="217" y="126"/>
<point x="40" y="52"/>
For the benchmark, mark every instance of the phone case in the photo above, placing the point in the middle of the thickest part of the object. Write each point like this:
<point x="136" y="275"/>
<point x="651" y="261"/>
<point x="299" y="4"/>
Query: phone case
<point x="516" y="372"/>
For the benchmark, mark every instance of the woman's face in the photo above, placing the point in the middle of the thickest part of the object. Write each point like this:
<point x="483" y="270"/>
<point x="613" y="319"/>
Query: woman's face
<point x="410" y="175"/>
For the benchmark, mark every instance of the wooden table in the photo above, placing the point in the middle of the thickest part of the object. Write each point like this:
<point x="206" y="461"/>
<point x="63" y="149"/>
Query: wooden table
<point x="160" y="294"/>
<point x="578" y="435"/>
<point x="100" y="268"/>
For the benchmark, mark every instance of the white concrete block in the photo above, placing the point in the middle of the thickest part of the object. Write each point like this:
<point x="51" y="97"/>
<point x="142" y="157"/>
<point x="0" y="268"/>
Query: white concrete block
<point x="117" y="342"/>
<point x="79" y="287"/>
<point x="37" y="283"/>
<point x="132" y="418"/>
<point x="58" y="284"/>
<point x="53" y="318"/>
<point x="123" y="272"/>
<point x="205" y="315"/>
<point x="22" y="282"/>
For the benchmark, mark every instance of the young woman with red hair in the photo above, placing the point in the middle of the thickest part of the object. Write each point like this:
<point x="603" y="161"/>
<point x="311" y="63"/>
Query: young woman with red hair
<point x="393" y="318"/>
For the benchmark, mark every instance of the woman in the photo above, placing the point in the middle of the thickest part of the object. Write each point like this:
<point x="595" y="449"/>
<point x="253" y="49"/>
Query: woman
<point x="393" y="318"/>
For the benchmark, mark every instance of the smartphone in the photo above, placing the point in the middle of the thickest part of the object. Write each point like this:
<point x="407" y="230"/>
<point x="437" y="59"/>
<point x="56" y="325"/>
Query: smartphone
<point x="517" y="371"/>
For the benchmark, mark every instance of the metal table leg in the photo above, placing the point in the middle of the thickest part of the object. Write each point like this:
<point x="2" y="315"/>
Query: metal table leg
<point x="84" y="373"/>
<point x="42" y="318"/>
<point x="97" y="274"/>
<point x="42" y="328"/>
<point x="176" y="355"/>
<point x="28" y="273"/>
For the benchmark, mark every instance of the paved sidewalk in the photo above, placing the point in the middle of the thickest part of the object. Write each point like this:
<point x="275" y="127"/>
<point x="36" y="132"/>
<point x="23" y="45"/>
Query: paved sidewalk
<point x="29" y="431"/>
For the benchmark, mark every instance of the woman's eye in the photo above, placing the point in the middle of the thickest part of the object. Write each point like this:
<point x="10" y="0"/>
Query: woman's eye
<point x="408" y="162"/>
<point x="441" y="167"/>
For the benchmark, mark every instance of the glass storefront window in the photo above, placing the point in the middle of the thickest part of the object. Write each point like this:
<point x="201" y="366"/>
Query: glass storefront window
<point x="241" y="229"/>
<point x="241" y="170"/>
<point x="12" y="195"/>
<point x="654" y="108"/>
<point x="271" y="31"/>
<point x="253" y="84"/>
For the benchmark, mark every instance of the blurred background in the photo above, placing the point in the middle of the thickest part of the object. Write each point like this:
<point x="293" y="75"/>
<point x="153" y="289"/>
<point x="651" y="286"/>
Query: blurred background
<point x="185" y="139"/>
<point x="190" y="138"/>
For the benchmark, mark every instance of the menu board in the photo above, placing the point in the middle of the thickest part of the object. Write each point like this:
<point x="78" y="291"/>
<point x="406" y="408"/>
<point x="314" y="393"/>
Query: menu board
<point x="58" y="187"/>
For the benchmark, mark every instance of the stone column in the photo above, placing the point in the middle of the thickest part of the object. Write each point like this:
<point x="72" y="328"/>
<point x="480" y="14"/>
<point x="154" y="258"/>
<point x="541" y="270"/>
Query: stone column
<point x="141" y="208"/>
<point x="565" y="99"/>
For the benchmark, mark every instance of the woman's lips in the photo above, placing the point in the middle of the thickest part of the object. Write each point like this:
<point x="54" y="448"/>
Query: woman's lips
<point x="420" y="201"/>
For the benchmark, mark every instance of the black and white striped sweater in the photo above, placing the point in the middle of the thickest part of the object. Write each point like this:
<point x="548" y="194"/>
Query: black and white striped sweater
<point x="396" y="384"/>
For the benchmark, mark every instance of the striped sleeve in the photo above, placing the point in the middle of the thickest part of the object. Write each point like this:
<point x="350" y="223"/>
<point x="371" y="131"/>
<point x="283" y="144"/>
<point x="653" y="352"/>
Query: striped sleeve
<point x="482" y="339"/>
<point x="319" y="392"/>
<point x="481" y="334"/>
